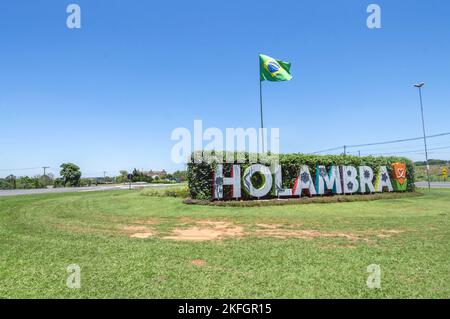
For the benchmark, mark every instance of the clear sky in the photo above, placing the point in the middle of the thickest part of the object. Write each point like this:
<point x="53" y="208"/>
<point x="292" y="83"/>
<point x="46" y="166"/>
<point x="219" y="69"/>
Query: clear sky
<point x="107" y="96"/>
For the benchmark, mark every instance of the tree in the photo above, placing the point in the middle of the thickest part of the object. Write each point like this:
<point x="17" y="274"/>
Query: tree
<point x="71" y="174"/>
<point x="180" y="176"/>
<point x="138" y="176"/>
<point x="123" y="177"/>
<point x="11" y="180"/>
<point x="124" y="174"/>
<point x="8" y="182"/>
<point x="46" y="180"/>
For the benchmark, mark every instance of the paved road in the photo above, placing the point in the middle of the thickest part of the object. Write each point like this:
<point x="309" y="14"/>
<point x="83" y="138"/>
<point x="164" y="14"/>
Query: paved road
<point x="13" y="192"/>
<point x="434" y="184"/>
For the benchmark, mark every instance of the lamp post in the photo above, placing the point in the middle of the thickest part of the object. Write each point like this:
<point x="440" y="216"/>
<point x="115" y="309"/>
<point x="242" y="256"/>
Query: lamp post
<point x="419" y="86"/>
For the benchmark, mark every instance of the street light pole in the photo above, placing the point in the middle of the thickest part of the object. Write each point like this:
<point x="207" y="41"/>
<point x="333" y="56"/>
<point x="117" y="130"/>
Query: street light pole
<point x="419" y="86"/>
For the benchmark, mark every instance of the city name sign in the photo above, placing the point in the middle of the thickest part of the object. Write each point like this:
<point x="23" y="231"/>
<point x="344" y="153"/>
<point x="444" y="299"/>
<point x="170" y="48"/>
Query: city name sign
<point x="336" y="180"/>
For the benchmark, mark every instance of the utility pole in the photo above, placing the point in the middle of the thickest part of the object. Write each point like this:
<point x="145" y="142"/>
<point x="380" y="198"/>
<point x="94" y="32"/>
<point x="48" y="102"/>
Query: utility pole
<point x="45" y="168"/>
<point x="345" y="150"/>
<point x="419" y="86"/>
<point x="104" y="177"/>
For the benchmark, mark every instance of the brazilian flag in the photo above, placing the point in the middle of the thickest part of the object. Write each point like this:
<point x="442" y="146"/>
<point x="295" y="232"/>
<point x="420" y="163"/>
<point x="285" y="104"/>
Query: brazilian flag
<point x="273" y="70"/>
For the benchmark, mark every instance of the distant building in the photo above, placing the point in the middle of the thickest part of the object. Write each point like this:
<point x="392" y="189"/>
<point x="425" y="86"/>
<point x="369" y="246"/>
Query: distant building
<point x="153" y="174"/>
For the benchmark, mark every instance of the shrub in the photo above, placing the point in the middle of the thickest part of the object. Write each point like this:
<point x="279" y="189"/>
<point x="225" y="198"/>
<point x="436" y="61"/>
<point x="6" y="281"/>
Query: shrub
<point x="308" y="200"/>
<point x="58" y="182"/>
<point x="179" y="191"/>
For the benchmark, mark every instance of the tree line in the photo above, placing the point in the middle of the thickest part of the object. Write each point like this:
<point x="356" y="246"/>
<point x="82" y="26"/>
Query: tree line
<point x="71" y="176"/>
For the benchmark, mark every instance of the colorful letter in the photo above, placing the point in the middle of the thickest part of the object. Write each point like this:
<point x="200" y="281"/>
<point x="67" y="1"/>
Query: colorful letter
<point x="219" y="181"/>
<point x="265" y="188"/>
<point x="304" y="181"/>
<point x="330" y="181"/>
<point x="350" y="175"/>
<point x="383" y="180"/>
<point x="279" y="190"/>
<point x="365" y="179"/>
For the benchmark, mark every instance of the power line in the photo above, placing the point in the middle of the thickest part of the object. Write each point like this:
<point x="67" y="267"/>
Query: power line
<point x="412" y="151"/>
<point x="399" y="141"/>
<point x="400" y="148"/>
<point x="328" y="150"/>
<point x="379" y="143"/>
<point x="20" y="169"/>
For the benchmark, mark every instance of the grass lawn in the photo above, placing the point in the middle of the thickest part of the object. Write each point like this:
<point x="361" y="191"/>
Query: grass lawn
<point x="130" y="245"/>
<point x="420" y="173"/>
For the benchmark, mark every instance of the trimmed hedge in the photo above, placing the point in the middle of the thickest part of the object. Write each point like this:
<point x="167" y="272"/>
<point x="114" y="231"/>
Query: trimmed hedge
<point x="200" y="175"/>
<point x="303" y="200"/>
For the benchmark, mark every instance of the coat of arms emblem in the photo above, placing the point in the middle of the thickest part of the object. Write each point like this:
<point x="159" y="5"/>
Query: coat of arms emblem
<point x="399" y="174"/>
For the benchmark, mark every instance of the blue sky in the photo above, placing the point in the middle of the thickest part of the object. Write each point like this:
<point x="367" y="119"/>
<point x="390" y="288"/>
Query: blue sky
<point x="107" y="96"/>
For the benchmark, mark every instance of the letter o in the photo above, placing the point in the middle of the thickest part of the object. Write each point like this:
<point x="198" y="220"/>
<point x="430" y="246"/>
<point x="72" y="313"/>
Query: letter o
<point x="265" y="188"/>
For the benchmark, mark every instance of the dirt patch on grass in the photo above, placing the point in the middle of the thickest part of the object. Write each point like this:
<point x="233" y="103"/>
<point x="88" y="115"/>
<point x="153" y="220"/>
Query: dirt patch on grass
<point x="277" y="231"/>
<point x="138" y="231"/>
<point x="198" y="262"/>
<point x="269" y="226"/>
<point x="146" y="222"/>
<point x="205" y="230"/>
<point x="198" y="230"/>
<point x="132" y="231"/>
<point x="208" y="230"/>
<point x="141" y="235"/>
<point x="307" y="234"/>
<point x="389" y="233"/>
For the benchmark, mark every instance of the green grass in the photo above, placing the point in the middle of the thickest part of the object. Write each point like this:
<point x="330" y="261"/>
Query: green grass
<point x="420" y="173"/>
<point x="40" y="235"/>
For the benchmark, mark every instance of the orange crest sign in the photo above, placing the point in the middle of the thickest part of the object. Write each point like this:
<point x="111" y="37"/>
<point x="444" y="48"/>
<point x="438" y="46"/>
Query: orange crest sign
<point x="399" y="172"/>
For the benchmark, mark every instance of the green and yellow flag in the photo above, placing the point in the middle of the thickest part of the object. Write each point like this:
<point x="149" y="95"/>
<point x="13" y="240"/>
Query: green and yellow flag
<point x="273" y="70"/>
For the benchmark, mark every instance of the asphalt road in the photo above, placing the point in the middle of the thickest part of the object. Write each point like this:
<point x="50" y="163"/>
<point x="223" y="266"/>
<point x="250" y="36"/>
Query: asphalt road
<point x="434" y="184"/>
<point x="13" y="192"/>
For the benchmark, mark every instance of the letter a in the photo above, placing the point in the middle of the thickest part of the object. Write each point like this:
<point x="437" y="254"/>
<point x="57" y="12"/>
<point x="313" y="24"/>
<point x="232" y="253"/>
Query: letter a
<point x="74" y="19"/>
<point x="374" y="19"/>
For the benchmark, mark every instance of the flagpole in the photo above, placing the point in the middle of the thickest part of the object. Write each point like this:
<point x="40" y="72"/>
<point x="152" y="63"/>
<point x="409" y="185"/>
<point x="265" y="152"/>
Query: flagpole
<point x="261" y="112"/>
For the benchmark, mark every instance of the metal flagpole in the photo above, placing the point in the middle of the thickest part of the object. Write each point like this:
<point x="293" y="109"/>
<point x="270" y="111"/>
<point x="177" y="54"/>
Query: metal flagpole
<point x="261" y="112"/>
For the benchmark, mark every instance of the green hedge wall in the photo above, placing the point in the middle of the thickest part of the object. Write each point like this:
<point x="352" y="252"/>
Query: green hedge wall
<point x="200" y="175"/>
